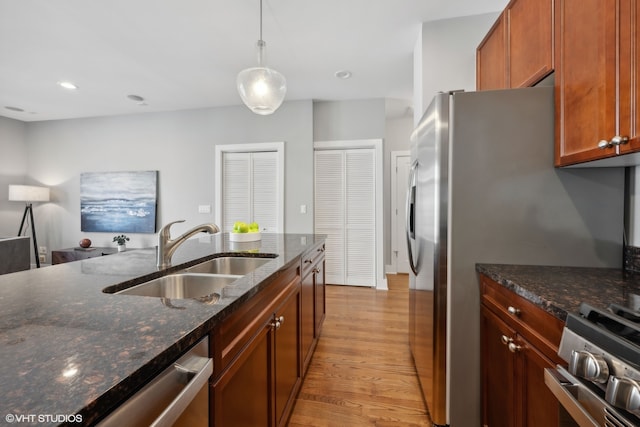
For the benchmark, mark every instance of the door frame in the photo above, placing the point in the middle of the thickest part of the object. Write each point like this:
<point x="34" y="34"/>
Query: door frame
<point x="278" y="147"/>
<point x="376" y="144"/>
<point x="395" y="238"/>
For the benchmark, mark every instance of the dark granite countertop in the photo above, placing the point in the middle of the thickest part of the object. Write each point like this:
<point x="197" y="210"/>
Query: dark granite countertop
<point x="68" y="348"/>
<point x="560" y="290"/>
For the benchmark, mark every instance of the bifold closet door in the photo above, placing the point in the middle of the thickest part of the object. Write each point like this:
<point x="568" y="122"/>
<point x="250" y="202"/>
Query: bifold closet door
<point x="345" y="212"/>
<point x="249" y="190"/>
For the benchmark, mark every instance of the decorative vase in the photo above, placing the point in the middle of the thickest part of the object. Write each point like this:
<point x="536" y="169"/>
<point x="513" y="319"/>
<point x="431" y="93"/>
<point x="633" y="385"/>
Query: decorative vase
<point x="122" y="247"/>
<point x="85" y="243"/>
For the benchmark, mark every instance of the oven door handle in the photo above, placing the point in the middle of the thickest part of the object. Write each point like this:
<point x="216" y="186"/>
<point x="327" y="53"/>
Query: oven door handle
<point x="559" y="386"/>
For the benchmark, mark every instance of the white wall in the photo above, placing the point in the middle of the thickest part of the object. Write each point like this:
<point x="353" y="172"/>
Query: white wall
<point x="445" y="57"/>
<point x="13" y="170"/>
<point x="344" y="120"/>
<point x="180" y="145"/>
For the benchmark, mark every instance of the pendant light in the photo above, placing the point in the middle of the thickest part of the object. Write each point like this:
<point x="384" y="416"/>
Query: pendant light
<point x="262" y="89"/>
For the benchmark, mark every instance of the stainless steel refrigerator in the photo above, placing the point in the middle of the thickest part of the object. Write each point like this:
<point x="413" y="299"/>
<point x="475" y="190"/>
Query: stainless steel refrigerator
<point x="483" y="189"/>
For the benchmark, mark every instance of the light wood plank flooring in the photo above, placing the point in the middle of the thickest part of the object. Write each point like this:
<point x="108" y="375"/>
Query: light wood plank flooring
<point x="361" y="373"/>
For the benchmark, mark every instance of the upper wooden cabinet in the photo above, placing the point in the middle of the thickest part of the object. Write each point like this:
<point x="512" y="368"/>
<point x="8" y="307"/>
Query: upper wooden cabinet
<point x="518" y="50"/>
<point x="491" y="67"/>
<point x="530" y="41"/>
<point x="596" y="79"/>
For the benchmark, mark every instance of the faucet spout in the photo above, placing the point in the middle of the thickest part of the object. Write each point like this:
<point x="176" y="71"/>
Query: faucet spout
<point x="167" y="246"/>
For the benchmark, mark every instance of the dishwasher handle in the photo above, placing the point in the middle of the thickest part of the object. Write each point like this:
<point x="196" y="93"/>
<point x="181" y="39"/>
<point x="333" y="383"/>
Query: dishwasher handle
<point x="197" y="370"/>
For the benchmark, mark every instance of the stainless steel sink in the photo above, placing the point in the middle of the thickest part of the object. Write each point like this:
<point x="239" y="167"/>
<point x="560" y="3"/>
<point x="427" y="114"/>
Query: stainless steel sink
<point x="229" y="265"/>
<point x="202" y="287"/>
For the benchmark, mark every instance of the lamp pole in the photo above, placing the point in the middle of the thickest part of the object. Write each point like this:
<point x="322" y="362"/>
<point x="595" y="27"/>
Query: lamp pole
<point x="29" y="208"/>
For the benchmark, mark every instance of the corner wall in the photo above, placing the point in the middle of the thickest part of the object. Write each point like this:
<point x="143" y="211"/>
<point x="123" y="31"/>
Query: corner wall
<point x="13" y="170"/>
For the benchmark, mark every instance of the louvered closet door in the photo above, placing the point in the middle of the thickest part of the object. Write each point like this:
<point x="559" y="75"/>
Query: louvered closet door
<point x="344" y="211"/>
<point x="329" y="211"/>
<point x="249" y="190"/>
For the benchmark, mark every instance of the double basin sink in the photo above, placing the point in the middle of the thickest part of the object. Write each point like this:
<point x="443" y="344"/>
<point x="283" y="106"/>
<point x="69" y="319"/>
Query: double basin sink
<point x="203" y="282"/>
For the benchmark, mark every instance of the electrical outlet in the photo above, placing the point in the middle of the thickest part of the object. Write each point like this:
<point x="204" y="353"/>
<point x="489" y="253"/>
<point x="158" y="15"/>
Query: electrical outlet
<point x="42" y="250"/>
<point x="43" y="258"/>
<point x="204" y="209"/>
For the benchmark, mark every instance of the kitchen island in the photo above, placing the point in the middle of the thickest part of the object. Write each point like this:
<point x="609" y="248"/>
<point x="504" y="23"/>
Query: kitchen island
<point x="69" y="349"/>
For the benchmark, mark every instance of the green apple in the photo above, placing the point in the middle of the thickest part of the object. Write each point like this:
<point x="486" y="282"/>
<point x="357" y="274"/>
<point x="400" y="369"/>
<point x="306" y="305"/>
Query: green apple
<point x="240" y="227"/>
<point x="254" y="227"/>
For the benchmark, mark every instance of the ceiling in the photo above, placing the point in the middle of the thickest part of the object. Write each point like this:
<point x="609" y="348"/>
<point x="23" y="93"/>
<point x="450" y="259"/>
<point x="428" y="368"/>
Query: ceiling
<point x="184" y="54"/>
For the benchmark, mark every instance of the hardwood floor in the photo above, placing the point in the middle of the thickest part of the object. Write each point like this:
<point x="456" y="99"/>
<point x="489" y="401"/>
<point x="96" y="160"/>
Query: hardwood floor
<point x="361" y="373"/>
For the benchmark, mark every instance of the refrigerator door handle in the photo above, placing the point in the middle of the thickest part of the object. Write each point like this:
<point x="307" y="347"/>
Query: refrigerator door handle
<point x="410" y="212"/>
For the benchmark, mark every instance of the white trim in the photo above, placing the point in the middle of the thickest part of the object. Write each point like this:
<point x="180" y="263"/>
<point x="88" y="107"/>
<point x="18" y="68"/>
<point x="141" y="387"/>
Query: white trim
<point x="250" y="148"/>
<point x="394" y="204"/>
<point x="377" y="145"/>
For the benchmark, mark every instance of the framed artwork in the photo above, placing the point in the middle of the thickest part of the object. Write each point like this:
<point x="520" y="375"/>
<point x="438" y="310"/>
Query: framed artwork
<point x="119" y="202"/>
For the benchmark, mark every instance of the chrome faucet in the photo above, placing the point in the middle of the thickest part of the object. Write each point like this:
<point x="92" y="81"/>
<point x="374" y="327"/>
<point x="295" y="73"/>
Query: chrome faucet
<point x="167" y="246"/>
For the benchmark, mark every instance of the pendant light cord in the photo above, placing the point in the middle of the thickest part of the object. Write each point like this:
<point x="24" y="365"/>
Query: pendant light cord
<point x="261" y="21"/>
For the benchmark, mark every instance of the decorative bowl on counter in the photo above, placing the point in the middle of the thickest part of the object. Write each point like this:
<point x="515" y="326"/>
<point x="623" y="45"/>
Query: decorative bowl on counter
<point x="245" y="237"/>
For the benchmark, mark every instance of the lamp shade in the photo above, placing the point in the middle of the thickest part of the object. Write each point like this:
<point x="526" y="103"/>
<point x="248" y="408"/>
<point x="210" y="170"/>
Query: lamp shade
<point x="28" y="193"/>
<point x="261" y="89"/>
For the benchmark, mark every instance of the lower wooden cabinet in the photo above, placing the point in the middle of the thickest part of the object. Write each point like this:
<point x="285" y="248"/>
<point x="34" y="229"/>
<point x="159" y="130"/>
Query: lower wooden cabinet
<point x="313" y="301"/>
<point x="519" y="340"/>
<point x="259" y="382"/>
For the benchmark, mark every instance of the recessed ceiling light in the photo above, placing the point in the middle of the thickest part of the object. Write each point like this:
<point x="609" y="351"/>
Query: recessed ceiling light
<point x="67" y="85"/>
<point x="136" y="98"/>
<point x="343" y="74"/>
<point x="20" y="110"/>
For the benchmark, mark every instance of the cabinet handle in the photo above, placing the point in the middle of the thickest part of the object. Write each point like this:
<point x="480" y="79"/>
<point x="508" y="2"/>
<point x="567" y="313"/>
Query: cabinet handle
<point x="278" y="322"/>
<point x="615" y="141"/>
<point x="506" y="340"/>
<point x="321" y="249"/>
<point x="513" y="310"/>
<point x="315" y="270"/>
<point x="513" y="347"/>
<point x="308" y="261"/>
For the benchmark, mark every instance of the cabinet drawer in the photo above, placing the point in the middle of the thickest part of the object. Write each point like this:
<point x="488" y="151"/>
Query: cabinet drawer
<point x="311" y="258"/>
<point x="541" y="328"/>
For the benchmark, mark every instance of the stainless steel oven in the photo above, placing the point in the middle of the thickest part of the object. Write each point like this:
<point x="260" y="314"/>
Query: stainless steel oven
<point x="601" y="385"/>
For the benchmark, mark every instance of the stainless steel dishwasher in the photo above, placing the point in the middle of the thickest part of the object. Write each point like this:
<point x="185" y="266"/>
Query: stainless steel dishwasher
<point x="178" y="396"/>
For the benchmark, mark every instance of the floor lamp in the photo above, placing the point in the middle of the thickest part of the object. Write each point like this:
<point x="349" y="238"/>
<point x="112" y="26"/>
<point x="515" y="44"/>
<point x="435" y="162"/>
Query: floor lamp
<point x="29" y="194"/>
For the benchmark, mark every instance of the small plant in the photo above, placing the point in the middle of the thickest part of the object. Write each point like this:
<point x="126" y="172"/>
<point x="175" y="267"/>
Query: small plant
<point x="121" y="239"/>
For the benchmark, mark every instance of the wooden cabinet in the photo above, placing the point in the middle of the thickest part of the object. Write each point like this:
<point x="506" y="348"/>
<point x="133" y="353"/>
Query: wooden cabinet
<point x="529" y="41"/>
<point x="518" y="341"/>
<point x="596" y="79"/>
<point x="74" y="254"/>
<point x="491" y="60"/>
<point x="518" y="50"/>
<point x="257" y="357"/>
<point x="313" y="300"/>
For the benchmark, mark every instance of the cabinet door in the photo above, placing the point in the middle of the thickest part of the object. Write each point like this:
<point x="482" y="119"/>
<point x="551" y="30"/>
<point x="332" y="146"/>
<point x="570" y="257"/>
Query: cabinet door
<point x="586" y="78"/>
<point x="287" y="357"/>
<point x="630" y="74"/>
<point x="539" y="406"/>
<point x="491" y="66"/>
<point x="319" y="312"/>
<point x="242" y="395"/>
<point x="307" y="304"/>
<point x="498" y="373"/>
<point x="529" y="41"/>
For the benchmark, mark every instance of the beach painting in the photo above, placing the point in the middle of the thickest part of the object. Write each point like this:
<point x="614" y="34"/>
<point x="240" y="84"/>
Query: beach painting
<point x="118" y="202"/>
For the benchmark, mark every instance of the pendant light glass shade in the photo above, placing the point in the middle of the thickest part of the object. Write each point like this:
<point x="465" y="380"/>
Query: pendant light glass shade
<point x="262" y="89"/>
